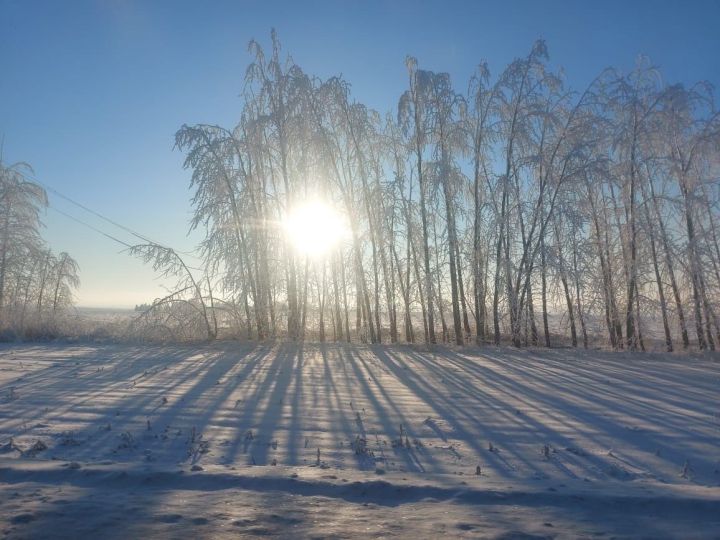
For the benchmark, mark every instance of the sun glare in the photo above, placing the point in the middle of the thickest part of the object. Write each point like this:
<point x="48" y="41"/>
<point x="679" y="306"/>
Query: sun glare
<point x="314" y="228"/>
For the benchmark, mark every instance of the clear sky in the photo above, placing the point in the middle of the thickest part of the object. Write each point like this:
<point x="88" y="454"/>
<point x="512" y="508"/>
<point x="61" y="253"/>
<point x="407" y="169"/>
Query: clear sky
<point x="92" y="92"/>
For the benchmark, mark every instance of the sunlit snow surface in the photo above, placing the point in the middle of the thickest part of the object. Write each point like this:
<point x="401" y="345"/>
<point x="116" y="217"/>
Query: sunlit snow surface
<point x="306" y="441"/>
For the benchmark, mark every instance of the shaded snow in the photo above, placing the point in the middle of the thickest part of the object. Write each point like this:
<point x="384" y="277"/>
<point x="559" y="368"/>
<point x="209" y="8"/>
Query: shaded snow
<point x="350" y="441"/>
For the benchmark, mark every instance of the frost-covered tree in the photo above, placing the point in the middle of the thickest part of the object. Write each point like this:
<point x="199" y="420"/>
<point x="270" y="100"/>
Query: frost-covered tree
<point x="521" y="210"/>
<point x="35" y="286"/>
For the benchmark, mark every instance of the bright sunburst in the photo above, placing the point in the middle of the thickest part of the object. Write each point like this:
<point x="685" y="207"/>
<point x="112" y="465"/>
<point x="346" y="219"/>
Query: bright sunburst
<point x="314" y="228"/>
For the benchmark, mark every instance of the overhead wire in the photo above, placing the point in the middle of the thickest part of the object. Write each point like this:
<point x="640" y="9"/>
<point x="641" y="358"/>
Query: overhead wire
<point x="125" y="228"/>
<point x="81" y="222"/>
<point x="110" y="236"/>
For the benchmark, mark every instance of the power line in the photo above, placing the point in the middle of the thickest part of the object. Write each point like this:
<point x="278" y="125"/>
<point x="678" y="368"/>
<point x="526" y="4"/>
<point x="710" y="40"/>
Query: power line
<point x="98" y="214"/>
<point x="111" y="237"/>
<point x="81" y="222"/>
<point x="142" y="237"/>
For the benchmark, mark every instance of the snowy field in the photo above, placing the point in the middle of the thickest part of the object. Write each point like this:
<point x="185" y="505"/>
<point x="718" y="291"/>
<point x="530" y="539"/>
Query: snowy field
<point x="348" y="441"/>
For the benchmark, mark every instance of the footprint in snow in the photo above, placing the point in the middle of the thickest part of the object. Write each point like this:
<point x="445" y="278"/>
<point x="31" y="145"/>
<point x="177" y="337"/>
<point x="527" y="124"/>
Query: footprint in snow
<point x="169" y="518"/>
<point x="23" y="518"/>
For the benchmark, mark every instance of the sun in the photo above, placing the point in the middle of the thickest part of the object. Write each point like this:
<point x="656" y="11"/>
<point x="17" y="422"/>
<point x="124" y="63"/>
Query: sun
<point x="314" y="228"/>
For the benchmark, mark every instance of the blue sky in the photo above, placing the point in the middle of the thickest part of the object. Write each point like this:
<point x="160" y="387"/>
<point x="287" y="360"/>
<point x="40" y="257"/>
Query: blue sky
<point x="92" y="92"/>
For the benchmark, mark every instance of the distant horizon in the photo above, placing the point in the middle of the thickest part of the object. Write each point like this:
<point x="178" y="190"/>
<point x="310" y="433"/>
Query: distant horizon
<point x="130" y="308"/>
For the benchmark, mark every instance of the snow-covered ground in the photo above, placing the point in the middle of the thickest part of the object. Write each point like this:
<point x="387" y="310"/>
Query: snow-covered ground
<point x="348" y="441"/>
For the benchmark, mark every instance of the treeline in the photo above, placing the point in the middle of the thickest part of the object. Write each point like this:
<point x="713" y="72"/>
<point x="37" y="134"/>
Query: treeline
<point x="510" y="208"/>
<point x="35" y="284"/>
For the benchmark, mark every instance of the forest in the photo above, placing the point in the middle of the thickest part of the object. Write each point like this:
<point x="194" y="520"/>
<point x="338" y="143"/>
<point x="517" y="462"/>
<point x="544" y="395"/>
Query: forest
<point x="510" y="209"/>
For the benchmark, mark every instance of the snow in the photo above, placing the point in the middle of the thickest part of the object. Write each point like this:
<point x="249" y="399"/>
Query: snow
<point x="354" y="441"/>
